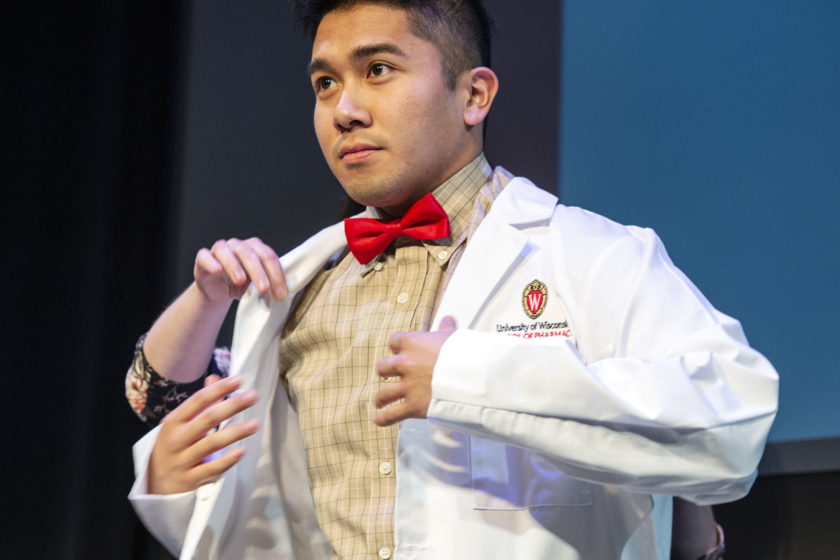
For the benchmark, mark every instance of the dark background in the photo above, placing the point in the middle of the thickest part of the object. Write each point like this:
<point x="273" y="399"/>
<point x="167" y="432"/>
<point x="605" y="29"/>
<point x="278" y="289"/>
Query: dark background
<point x="91" y="101"/>
<point x="108" y="191"/>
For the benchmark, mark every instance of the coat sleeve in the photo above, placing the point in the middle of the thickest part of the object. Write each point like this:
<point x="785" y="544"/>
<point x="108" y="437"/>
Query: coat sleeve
<point x="662" y="394"/>
<point x="166" y="517"/>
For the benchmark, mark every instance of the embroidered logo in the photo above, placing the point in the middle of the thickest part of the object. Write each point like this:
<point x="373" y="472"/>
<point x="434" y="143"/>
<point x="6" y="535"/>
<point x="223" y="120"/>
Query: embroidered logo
<point x="534" y="297"/>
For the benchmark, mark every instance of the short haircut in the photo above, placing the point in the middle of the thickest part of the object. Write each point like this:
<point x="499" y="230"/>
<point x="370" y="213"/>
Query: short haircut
<point x="460" y="29"/>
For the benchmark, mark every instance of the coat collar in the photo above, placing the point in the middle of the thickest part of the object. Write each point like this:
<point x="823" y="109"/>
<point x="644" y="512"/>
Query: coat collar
<point x="493" y="249"/>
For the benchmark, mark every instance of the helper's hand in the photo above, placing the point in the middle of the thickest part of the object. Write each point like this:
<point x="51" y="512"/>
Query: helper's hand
<point x="415" y="355"/>
<point x="224" y="271"/>
<point x="178" y="459"/>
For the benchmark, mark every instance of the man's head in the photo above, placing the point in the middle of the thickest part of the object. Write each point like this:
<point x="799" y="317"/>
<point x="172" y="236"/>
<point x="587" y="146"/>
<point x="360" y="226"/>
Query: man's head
<point x="392" y="118"/>
<point x="460" y="29"/>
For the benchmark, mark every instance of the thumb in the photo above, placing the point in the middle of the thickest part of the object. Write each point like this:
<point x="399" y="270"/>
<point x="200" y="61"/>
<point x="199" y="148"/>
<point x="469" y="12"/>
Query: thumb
<point x="447" y="324"/>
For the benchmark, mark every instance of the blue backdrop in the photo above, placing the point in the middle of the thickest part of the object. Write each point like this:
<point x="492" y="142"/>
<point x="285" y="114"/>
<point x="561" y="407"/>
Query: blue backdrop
<point x="717" y="123"/>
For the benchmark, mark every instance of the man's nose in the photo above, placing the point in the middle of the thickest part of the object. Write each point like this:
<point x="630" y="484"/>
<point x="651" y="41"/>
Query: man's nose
<point x="351" y="110"/>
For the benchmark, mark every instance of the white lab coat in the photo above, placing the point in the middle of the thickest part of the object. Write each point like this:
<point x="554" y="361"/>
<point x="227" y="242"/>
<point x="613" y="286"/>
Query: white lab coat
<point x="563" y="441"/>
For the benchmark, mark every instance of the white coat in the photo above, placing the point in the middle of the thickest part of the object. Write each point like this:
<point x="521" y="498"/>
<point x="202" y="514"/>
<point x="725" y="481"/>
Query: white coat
<point x="560" y="437"/>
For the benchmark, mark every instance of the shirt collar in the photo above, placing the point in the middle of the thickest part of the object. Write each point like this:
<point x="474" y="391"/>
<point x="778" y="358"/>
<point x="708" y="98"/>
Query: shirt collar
<point x="457" y="195"/>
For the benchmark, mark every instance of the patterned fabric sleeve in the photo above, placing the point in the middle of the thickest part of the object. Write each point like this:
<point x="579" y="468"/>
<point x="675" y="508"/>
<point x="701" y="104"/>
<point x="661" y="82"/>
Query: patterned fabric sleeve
<point x="152" y="396"/>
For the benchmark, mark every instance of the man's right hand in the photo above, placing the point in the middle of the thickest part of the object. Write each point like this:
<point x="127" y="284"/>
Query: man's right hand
<point x="178" y="462"/>
<point x="180" y="342"/>
<point x="224" y="271"/>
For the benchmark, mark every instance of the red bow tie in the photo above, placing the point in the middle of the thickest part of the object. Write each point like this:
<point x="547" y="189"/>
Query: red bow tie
<point x="366" y="237"/>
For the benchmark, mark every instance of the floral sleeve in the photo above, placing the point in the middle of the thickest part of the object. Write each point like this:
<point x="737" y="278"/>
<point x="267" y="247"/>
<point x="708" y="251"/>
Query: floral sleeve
<point x="152" y="396"/>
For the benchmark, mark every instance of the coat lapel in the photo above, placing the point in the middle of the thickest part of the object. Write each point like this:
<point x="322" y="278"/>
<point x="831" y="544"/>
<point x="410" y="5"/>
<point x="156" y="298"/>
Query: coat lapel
<point x="258" y="322"/>
<point x="260" y="316"/>
<point x="493" y="249"/>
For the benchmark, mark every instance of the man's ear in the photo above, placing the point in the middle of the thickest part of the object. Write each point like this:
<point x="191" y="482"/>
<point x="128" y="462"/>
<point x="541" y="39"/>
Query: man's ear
<point x="483" y="87"/>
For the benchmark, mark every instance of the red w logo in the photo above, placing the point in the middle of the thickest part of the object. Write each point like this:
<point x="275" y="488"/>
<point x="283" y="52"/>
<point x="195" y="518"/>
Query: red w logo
<point x="534" y="301"/>
<point x="534" y="297"/>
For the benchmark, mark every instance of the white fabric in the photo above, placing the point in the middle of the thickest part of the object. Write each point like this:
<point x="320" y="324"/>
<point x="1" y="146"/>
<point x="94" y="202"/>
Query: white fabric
<point x="560" y="447"/>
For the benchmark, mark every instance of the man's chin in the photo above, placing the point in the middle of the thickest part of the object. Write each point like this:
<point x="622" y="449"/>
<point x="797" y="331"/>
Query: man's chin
<point x="377" y="195"/>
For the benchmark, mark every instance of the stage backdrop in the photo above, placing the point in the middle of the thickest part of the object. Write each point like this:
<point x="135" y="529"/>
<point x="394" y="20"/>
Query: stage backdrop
<point x="718" y="124"/>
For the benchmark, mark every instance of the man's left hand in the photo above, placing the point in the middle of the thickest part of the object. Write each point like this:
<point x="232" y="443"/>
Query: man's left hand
<point x="408" y="395"/>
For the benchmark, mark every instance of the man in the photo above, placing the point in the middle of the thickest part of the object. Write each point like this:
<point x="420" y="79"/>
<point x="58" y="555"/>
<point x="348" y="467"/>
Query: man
<point x="526" y="380"/>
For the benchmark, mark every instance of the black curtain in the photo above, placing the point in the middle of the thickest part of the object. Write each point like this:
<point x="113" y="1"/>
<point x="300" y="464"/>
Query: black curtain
<point x="91" y="101"/>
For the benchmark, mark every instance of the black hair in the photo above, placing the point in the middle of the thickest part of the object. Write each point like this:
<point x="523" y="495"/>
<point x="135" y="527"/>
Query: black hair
<point x="460" y="29"/>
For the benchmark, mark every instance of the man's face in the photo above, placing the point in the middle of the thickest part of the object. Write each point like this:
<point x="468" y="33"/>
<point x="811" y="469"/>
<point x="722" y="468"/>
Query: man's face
<point x="390" y="128"/>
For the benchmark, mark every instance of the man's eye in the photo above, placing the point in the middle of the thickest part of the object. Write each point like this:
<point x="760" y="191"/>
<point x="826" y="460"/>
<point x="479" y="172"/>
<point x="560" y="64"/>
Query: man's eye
<point x="323" y="83"/>
<point x="378" y="69"/>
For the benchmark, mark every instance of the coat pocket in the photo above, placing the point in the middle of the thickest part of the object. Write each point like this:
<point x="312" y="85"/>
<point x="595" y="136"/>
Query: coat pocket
<point x="510" y="478"/>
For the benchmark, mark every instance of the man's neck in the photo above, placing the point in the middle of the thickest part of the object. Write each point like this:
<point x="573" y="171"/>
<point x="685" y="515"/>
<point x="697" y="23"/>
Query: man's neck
<point x="463" y="177"/>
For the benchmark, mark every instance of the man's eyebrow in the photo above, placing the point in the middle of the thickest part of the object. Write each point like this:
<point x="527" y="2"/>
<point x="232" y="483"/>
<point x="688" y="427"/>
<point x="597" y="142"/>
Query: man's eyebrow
<point x="359" y="53"/>
<point x="367" y="51"/>
<point x="318" y="65"/>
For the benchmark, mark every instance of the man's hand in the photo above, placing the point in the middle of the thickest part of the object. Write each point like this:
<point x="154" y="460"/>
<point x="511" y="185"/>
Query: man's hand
<point x="178" y="462"/>
<point x="415" y="355"/>
<point x="181" y="341"/>
<point x="224" y="271"/>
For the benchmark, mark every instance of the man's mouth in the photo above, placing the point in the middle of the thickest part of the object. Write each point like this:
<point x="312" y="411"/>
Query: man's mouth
<point x="357" y="153"/>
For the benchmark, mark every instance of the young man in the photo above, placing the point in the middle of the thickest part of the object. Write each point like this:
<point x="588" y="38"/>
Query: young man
<point x="524" y="380"/>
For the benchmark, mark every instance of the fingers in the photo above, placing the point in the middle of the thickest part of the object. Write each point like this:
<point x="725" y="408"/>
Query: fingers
<point x="233" y="256"/>
<point x="387" y="367"/>
<point x="414" y="359"/>
<point x="171" y="472"/>
<point x="393" y="414"/>
<point x="260" y="264"/>
<point x="391" y="400"/>
<point x="203" y="398"/>
<point x="400" y="340"/>
<point x="206" y="262"/>
<point x="447" y="323"/>
<point x="388" y="394"/>
<point x="208" y="408"/>
<point x="406" y="397"/>
<point x="225" y="270"/>
<point x="396" y="342"/>
<point x="211" y="470"/>
<point x="217" y="414"/>
<point x="217" y="441"/>
<point x="212" y="378"/>
<point x="177" y="463"/>
<point x="270" y="263"/>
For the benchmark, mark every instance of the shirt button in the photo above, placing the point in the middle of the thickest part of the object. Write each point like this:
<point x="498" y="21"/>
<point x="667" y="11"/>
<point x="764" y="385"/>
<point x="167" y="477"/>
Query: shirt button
<point x="385" y="468"/>
<point x="442" y="255"/>
<point x="402" y="298"/>
<point x="378" y="266"/>
<point x="384" y="553"/>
